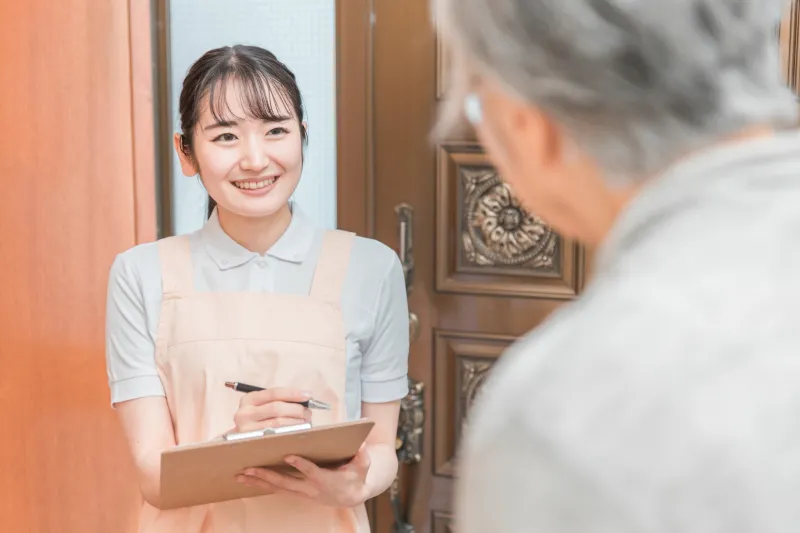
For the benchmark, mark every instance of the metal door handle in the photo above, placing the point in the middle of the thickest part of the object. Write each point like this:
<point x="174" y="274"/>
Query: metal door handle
<point x="405" y="216"/>
<point x="413" y="326"/>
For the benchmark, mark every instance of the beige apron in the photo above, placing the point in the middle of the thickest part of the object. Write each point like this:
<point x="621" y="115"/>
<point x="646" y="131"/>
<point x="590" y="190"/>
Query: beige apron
<point x="207" y="338"/>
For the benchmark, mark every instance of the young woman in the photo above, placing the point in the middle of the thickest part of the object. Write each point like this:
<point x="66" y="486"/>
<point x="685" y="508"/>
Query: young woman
<point x="258" y="295"/>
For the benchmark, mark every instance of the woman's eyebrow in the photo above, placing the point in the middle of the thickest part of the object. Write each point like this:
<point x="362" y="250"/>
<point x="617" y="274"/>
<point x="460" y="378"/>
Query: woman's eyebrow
<point x="231" y="123"/>
<point x="221" y="124"/>
<point x="280" y="118"/>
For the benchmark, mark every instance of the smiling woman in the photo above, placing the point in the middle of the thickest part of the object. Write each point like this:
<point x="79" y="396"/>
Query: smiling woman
<point x="259" y="294"/>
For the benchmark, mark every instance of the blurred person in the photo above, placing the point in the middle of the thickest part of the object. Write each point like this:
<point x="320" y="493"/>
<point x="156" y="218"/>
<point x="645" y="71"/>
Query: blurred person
<point x="666" y="398"/>
<point x="259" y="293"/>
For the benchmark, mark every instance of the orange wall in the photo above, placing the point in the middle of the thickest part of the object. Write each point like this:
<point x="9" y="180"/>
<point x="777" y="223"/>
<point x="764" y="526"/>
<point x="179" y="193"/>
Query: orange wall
<point x="77" y="187"/>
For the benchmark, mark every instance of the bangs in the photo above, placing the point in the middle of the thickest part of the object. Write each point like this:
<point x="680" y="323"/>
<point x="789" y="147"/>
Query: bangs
<point x="260" y="97"/>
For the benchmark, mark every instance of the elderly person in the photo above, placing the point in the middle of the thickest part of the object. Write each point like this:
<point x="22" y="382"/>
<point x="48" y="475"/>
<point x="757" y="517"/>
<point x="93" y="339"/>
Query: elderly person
<point x="666" y="399"/>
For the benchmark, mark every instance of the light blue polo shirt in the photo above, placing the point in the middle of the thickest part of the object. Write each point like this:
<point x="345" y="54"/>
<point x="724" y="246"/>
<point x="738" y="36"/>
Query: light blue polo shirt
<point x="374" y="305"/>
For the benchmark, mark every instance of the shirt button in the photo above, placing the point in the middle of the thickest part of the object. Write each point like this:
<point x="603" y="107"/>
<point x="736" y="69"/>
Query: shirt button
<point x="261" y="264"/>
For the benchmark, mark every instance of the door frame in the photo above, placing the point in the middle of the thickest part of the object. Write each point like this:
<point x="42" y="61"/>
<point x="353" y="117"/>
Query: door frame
<point x="162" y="72"/>
<point x="355" y="155"/>
<point x="789" y="37"/>
<point x="141" y="21"/>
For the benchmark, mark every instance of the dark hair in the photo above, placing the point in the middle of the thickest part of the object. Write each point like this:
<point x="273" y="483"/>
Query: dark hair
<point x="265" y="84"/>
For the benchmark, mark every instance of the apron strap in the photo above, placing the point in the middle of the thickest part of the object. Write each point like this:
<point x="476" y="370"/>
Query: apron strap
<point x="332" y="266"/>
<point x="177" y="275"/>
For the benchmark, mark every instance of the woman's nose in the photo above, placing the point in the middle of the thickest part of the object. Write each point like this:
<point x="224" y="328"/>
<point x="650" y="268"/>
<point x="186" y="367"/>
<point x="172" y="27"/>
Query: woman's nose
<point x="254" y="157"/>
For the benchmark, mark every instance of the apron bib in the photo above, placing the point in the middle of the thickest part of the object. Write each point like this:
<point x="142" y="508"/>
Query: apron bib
<point x="271" y="340"/>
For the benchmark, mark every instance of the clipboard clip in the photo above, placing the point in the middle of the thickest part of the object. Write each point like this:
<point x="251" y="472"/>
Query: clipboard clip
<point x="266" y="431"/>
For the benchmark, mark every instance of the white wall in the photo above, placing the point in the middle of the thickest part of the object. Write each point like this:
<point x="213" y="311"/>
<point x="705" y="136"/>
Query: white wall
<point x="302" y="34"/>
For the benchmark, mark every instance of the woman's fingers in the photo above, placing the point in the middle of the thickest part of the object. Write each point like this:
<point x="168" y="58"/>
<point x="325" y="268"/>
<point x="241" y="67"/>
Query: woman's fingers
<point x="278" y="394"/>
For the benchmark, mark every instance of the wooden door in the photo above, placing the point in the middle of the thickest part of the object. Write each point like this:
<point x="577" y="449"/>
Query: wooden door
<point x="484" y="270"/>
<point x="76" y="163"/>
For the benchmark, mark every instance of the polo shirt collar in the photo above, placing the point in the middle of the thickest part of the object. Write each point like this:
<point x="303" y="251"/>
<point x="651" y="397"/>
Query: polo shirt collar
<point x="293" y="246"/>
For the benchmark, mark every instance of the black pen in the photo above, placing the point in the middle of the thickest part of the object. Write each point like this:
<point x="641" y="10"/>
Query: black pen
<point x="243" y="387"/>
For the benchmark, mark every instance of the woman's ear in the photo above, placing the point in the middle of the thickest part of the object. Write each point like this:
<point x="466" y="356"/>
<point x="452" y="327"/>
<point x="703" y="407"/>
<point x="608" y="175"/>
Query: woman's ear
<point x="188" y="166"/>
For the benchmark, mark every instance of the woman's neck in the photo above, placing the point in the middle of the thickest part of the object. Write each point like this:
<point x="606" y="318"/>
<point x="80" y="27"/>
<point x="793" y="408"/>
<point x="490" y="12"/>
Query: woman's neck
<point x="257" y="234"/>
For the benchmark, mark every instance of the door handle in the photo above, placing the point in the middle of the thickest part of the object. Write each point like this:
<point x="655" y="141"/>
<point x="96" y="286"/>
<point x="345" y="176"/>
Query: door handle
<point x="405" y="224"/>
<point x="405" y="219"/>
<point x="413" y="326"/>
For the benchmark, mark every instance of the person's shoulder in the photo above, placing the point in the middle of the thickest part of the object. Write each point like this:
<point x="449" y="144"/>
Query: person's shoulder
<point x="139" y="263"/>
<point x="369" y="257"/>
<point x="372" y="253"/>
<point x="139" y="257"/>
<point x="373" y="269"/>
<point x="622" y="341"/>
<point x="146" y="256"/>
<point x="592" y="345"/>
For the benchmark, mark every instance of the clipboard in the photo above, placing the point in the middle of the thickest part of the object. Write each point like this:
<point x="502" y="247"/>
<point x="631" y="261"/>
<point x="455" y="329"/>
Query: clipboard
<point x="203" y="473"/>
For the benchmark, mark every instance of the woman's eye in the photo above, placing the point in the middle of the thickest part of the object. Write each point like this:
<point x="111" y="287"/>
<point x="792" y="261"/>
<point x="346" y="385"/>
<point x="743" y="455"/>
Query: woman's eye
<point x="278" y="131"/>
<point x="225" y="137"/>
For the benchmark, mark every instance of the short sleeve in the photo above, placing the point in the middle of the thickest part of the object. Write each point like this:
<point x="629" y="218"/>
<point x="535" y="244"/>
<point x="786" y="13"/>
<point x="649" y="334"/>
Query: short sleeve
<point x="130" y="348"/>
<point x="384" y="367"/>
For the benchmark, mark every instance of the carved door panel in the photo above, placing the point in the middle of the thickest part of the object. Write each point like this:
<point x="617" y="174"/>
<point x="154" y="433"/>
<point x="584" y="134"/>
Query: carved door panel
<point x="483" y="271"/>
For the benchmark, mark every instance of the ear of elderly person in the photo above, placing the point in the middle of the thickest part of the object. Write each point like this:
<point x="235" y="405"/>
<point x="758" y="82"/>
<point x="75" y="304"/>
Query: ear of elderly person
<point x="666" y="397"/>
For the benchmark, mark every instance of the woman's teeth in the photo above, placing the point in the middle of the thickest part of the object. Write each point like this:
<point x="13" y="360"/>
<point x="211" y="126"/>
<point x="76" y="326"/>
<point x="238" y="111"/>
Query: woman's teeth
<point x="254" y="184"/>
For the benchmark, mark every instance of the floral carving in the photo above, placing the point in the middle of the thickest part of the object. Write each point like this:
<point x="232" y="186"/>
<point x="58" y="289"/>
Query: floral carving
<point x="473" y="375"/>
<point x="497" y="231"/>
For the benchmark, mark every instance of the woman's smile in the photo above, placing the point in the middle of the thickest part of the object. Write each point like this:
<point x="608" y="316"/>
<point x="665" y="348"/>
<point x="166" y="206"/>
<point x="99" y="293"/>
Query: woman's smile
<point x="256" y="186"/>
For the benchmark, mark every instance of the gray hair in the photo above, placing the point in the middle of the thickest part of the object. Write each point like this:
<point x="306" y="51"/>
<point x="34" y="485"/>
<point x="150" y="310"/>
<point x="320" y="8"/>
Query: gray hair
<point x="634" y="83"/>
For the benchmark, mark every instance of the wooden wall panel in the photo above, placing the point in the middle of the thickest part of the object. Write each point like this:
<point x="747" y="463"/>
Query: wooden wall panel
<point x="76" y="191"/>
<point x="462" y="362"/>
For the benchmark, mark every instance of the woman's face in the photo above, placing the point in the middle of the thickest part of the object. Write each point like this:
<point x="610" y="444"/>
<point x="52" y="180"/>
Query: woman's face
<point x="250" y="167"/>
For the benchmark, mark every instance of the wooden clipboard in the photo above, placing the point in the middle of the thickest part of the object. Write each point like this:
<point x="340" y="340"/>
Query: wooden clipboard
<point x="205" y="473"/>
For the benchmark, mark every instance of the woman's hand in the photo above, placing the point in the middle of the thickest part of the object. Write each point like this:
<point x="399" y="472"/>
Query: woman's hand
<point x="341" y="487"/>
<point x="271" y="408"/>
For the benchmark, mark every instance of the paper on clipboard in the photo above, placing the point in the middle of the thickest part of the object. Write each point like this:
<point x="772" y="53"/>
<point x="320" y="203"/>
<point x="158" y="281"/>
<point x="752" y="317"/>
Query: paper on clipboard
<point x="205" y="473"/>
<point x="266" y="431"/>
